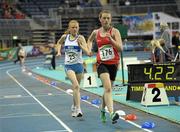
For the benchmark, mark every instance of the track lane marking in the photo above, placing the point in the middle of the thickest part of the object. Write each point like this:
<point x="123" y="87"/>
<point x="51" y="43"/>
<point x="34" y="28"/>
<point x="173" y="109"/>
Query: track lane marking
<point x="39" y="102"/>
<point x="130" y="122"/>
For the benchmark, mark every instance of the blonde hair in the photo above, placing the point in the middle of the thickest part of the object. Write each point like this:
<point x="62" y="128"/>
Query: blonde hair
<point x="163" y="25"/>
<point x="104" y="11"/>
<point x="70" y="22"/>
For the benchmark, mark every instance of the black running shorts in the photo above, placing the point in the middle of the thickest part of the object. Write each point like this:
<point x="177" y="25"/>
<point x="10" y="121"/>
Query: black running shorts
<point x="111" y="69"/>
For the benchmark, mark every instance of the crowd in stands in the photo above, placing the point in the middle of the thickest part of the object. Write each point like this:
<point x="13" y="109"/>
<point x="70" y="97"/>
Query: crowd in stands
<point x="81" y="3"/>
<point x="9" y="11"/>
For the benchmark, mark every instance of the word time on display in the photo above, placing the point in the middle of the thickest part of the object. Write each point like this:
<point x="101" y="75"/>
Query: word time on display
<point x="154" y="72"/>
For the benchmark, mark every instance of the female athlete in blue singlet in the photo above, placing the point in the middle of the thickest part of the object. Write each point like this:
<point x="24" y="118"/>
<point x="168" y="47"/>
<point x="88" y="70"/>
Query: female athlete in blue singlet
<point x="74" y="44"/>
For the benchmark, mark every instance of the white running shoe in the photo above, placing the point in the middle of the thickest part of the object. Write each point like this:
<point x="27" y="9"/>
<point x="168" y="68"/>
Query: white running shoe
<point x="73" y="111"/>
<point x="79" y="113"/>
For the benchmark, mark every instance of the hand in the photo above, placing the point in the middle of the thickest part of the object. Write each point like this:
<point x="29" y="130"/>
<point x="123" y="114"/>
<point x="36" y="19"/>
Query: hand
<point x="58" y="54"/>
<point x="90" y="54"/>
<point x="109" y="35"/>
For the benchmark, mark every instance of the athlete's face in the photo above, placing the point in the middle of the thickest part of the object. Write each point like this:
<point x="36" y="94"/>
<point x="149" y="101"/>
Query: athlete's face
<point x="74" y="28"/>
<point x="105" y="20"/>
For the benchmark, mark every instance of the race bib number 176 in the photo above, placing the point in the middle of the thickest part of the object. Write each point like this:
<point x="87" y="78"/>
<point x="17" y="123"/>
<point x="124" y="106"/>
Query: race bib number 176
<point x="106" y="52"/>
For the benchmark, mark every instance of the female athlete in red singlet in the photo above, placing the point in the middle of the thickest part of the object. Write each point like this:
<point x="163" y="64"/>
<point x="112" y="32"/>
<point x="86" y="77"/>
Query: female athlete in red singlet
<point x="109" y="43"/>
<point x="107" y="53"/>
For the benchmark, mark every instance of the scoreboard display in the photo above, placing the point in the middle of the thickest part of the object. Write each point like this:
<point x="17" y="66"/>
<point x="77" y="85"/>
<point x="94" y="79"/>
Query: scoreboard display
<point x="139" y="74"/>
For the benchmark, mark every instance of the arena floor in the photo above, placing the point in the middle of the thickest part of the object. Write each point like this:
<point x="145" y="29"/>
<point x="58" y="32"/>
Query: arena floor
<point x="34" y="102"/>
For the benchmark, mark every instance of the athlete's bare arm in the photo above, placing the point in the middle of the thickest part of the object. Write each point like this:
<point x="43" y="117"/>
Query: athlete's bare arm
<point x="82" y="43"/>
<point x="59" y="43"/>
<point x="115" y="38"/>
<point x="91" y="39"/>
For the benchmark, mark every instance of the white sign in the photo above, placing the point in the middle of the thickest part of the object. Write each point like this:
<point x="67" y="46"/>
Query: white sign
<point x="154" y="94"/>
<point x="89" y="80"/>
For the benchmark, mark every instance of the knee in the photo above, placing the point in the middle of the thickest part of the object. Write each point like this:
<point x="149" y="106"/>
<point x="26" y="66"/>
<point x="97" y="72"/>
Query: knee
<point x="108" y="90"/>
<point x="76" y="87"/>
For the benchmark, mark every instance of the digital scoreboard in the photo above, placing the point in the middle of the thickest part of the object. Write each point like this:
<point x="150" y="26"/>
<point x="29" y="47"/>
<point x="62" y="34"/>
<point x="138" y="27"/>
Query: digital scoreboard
<point x="139" y="74"/>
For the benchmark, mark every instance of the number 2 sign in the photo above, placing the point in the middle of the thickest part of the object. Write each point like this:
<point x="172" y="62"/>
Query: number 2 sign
<point x="154" y="94"/>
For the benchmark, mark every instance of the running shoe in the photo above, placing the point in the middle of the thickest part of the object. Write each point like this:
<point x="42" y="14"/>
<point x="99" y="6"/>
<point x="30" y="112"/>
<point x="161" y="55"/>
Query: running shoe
<point x="114" y="117"/>
<point x="79" y="113"/>
<point x="103" y="116"/>
<point x="73" y="111"/>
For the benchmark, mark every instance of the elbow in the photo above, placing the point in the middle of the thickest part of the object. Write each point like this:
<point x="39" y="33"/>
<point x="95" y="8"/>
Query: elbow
<point x="119" y="48"/>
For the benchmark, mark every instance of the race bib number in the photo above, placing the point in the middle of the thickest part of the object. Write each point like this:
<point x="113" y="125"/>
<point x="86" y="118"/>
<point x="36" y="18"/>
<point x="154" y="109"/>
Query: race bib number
<point x="71" y="57"/>
<point x="106" y="52"/>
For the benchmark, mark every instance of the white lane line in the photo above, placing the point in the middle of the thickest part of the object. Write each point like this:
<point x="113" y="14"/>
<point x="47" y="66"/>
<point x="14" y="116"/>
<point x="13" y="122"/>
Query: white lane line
<point x="132" y="123"/>
<point x="48" y="95"/>
<point x="12" y="96"/>
<point x="22" y="116"/>
<point x="51" y="113"/>
<point x="20" y="104"/>
<point x="11" y="65"/>
<point x="56" y="131"/>
<point x="147" y="130"/>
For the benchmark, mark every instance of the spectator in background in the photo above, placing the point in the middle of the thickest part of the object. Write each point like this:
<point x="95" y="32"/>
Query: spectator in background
<point x="16" y="54"/>
<point x="21" y="55"/>
<point x="53" y="53"/>
<point x="7" y="14"/>
<point x="51" y="45"/>
<point x="175" y="42"/>
<point x="166" y="36"/>
<point x="19" y="15"/>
